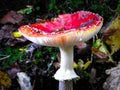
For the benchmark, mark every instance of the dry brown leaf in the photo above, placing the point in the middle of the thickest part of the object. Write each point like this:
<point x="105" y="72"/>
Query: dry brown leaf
<point x="11" y="17"/>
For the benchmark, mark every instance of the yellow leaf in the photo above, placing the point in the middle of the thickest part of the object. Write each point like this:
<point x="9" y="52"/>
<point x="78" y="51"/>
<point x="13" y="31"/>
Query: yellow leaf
<point x="5" y="80"/>
<point x="75" y="65"/>
<point x="16" y="34"/>
<point x="113" y="40"/>
<point x="86" y="65"/>
<point x="79" y="65"/>
<point x="22" y="49"/>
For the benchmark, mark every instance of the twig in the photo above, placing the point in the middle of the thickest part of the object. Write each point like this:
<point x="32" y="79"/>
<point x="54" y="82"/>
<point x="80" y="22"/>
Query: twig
<point x="5" y="57"/>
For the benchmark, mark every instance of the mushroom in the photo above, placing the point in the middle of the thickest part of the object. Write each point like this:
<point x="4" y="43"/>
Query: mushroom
<point x="64" y="32"/>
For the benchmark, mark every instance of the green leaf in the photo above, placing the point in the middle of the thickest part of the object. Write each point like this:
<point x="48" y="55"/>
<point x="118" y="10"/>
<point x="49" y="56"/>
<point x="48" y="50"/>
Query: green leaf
<point x="38" y="54"/>
<point x="26" y="10"/>
<point x="97" y="43"/>
<point x="37" y="8"/>
<point x="101" y="50"/>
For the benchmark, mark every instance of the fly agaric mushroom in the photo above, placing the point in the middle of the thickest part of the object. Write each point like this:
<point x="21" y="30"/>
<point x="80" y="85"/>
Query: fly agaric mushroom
<point x="64" y="32"/>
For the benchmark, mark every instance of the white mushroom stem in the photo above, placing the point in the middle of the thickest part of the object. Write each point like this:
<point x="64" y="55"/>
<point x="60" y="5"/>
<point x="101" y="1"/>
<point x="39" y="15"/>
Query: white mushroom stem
<point x="66" y="71"/>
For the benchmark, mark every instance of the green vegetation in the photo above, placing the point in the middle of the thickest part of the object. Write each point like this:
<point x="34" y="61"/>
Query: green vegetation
<point x="9" y="55"/>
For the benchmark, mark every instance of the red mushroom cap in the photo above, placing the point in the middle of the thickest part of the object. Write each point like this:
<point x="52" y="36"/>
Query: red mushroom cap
<point x="66" y="29"/>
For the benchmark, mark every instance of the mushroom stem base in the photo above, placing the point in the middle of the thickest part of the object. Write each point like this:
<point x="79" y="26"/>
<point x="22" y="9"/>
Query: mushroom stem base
<point x="62" y="75"/>
<point x="66" y="85"/>
<point x="66" y="71"/>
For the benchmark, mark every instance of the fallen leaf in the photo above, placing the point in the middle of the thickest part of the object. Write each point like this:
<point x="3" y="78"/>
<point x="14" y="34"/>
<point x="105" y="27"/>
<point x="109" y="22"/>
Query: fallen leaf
<point x="6" y="31"/>
<point x="112" y="39"/>
<point x="100" y="50"/>
<point x="9" y="35"/>
<point x="79" y="64"/>
<point x="87" y="64"/>
<point x="11" y="17"/>
<point x="98" y="53"/>
<point x="5" y="80"/>
<point x="17" y="34"/>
